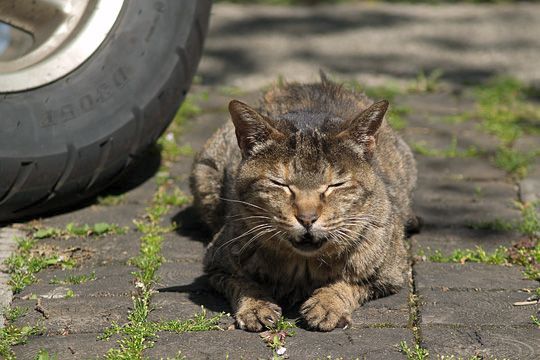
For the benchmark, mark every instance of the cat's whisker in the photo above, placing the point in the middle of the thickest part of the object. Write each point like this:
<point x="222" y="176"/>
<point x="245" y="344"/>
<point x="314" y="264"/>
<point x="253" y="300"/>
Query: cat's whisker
<point x="244" y="203"/>
<point x="248" y="232"/>
<point x="255" y="237"/>
<point x="253" y="217"/>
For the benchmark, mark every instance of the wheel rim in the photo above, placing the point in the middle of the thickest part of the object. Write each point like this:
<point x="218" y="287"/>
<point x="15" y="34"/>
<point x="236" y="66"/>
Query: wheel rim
<point x="64" y="33"/>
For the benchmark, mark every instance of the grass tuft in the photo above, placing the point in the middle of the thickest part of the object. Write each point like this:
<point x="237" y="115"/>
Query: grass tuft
<point x="525" y="252"/>
<point x="24" y="264"/>
<point x="415" y="353"/>
<point x="451" y="152"/>
<point x="275" y="337"/>
<point x="73" y="229"/>
<point x="111" y="200"/>
<point x="74" y="279"/>
<point x="11" y="335"/>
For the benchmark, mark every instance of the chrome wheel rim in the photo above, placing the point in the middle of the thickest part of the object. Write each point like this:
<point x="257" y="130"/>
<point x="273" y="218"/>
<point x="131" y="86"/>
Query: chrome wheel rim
<point x="63" y="35"/>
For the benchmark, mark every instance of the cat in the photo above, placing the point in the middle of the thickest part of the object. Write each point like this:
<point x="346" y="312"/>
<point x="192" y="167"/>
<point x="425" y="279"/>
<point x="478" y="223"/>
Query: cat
<point x="308" y="197"/>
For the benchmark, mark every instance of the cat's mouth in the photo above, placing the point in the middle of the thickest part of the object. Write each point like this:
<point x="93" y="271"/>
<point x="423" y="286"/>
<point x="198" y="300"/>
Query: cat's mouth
<point x="308" y="243"/>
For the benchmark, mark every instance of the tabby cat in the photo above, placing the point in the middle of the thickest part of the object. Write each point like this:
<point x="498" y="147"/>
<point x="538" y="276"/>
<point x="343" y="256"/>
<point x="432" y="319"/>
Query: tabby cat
<point x="308" y="197"/>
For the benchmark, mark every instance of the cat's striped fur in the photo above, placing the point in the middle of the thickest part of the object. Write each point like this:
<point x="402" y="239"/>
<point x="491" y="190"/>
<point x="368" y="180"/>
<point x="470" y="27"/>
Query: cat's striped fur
<point x="308" y="197"/>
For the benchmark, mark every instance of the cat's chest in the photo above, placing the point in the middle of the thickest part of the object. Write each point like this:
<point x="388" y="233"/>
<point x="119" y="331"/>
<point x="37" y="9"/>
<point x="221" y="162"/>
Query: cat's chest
<point x="291" y="278"/>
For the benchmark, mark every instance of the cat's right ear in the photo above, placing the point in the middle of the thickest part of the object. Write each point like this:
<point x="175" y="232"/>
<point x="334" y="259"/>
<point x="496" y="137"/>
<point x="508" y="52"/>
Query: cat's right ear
<point x="253" y="130"/>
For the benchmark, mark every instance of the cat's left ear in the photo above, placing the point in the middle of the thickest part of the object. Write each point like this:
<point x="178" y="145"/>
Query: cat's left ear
<point x="253" y="130"/>
<point x="363" y="128"/>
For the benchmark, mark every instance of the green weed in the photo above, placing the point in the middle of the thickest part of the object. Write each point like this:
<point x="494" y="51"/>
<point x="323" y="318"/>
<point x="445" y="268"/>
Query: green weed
<point x="73" y="229"/>
<point x="396" y="118"/>
<point x="23" y="264"/>
<point x="74" y="279"/>
<point x="11" y="335"/>
<point x="478" y="255"/>
<point x="231" y="91"/>
<point x="174" y="197"/>
<point x="525" y="252"/>
<point x="199" y="322"/>
<point x="535" y="320"/>
<point x="44" y="355"/>
<point x="427" y="82"/>
<point x="140" y="333"/>
<point x="14" y="313"/>
<point x="514" y="162"/>
<point x="451" y="152"/>
<point x="275" y="337"/>
<point x="496" y="225"/>
<point x="111" y="200"/>
<point x="504" y="110"/>
<point x="416" y="353"/>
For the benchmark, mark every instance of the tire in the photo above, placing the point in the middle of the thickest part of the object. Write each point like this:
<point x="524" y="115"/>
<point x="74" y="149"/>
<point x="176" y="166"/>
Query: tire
<point x="66" y="141"/>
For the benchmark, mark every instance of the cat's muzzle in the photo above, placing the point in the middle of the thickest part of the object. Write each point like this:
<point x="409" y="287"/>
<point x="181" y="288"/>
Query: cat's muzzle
<point x="308" y="242"/>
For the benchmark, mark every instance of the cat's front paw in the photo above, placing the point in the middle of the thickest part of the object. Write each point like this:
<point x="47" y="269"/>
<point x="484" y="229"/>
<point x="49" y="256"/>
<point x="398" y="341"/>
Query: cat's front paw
<point x="257" y="315"/>
<point x="324" y="311"/>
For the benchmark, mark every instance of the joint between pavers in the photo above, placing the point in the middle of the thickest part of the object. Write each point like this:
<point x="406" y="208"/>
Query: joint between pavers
<point x="8" y="245"/>
<point x="414" y="304"/>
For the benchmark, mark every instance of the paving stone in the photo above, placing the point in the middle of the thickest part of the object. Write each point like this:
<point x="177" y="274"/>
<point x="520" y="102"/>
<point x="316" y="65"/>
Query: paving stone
<point x="121" y="215"/>
<point x="112" y="280"/>
<point x="182" y="277"/>
<point x="436" y="104"/>
<point x="388" y="311"/>
<point x="446" y="240"/>
<point x="74" y="315"/>
<point x="236" y="344"/>
<point x="465" y="192"/>
<point x="79" y="346"/>
<point x="349" y="344"/>
<point x="198" y="130"/>
<point x="182" y="306"/>
<point x="435" y="134"/>
<point x="477" y="169"/>
<point x="102" y="249"/>
<point x="447" y="213"/>
<point x="179" y="248"/>
<point x="469" y="276"/>
<point x="529" y="190"/>
<point x="518" y="343"/>
<point x="474" y="308"/>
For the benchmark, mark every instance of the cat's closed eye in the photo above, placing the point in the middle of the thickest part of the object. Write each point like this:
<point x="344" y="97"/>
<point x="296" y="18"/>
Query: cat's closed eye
<point x="332" y="187"/>
<point x="278" y="183"/>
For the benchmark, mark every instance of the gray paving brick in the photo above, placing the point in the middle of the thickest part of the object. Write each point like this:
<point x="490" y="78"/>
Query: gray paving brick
<point x="79" y="346"/>
<point x="448" y="239"/>
<point x="182" y="306"/>
<point x="75" y="315"/>
<point x="477" y="169"/>
<point x="181" y="276"/>
<point x="113" y="280"/>
<point x="471" y="276"/>
<point x="103" y="250"/>
<point x="178" y="248"/>
<point x="349" y="344"/>
<point x="475" y="308"/>
<point x="236" y="344"/>
<point x="517" y="343"/>
<point x="390" y="311"/>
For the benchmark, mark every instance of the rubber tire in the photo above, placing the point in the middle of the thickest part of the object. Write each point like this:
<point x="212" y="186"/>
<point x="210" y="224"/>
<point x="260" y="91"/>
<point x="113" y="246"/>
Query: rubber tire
<point x="66" y="141"/>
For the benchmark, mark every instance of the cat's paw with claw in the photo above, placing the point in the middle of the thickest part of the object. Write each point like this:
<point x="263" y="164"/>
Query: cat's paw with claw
<point x="324" y="312"/>
<point x="257" y="315"/>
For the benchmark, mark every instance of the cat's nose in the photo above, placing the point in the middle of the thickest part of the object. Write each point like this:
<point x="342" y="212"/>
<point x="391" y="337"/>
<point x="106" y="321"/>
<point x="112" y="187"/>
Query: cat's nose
<point x="307" y="219"/>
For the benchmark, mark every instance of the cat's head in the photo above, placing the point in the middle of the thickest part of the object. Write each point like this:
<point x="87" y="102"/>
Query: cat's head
<point x="306" y="180"/>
